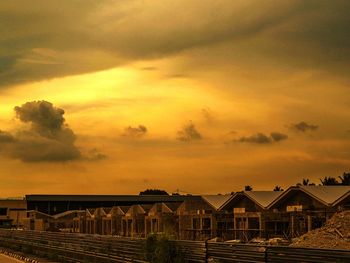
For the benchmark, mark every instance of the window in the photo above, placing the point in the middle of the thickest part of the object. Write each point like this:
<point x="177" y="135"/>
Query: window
<point x="253" y="223"/>
<point x="241" y="223"/>
<point x="3" y="211"/>
<point x="154" y="226"/>
<point x="196" y="223"/>
<point x="206" y="223"/>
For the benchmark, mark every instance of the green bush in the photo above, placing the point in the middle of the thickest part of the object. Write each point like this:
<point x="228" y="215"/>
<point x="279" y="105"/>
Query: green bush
<point x="162" y="250"/>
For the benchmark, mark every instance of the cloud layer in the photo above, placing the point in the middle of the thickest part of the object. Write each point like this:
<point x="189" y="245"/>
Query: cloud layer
<point x="42" y="41"/>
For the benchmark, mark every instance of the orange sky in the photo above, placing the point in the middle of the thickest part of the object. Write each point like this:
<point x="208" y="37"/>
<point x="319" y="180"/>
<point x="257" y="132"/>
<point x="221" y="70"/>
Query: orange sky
<point x="193" y="95"/>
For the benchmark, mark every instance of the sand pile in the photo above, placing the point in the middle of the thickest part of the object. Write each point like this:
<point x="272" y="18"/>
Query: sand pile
<point x="334" y="234"/>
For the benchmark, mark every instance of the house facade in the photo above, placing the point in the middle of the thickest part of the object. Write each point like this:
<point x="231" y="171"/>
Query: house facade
<point x="248" y="210"/>
<point x="162" y="219"/>
<point x="303" y="208"/>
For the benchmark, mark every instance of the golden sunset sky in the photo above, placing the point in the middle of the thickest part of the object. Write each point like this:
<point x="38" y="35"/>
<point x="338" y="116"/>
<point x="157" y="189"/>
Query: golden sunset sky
<point x="114" y="97"/>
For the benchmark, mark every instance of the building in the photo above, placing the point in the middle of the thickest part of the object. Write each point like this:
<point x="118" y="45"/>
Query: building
<point x="248" y="210"/>
<point x="303" y="208"/>
<point x="162" y="219"/>
<point x="54" y="204"/>
<point x="244" y="215"/>
<point x="12" y="212"/>
<point x="197" y="218"/>
<point x="112" y="223"/>
<point x="36" y="220"/>
<point x="133" y="222"/>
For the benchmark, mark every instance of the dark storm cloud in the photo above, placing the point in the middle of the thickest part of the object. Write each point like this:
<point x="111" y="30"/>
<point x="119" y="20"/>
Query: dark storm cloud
<point x="261" y="138"/>
<point x="189" y="132"/>
<point x="135" y="132"/>
<point x="304" y="126"/>
<point x="47" y="139"/>
<point x="41" y="40"/>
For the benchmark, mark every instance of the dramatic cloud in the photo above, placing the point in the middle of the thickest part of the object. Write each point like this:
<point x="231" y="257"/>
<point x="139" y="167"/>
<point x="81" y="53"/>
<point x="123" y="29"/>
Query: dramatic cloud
<point x="41" y="40"/>
<point x="304" y="126"/>
<point x="47" y="139"/>
<point x="189" y="133"/>
<point x="261" y="138"/>
<point x="44" y="118"/>
<point x="135" y="132"/>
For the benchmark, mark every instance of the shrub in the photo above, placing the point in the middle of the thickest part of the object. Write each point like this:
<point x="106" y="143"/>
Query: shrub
<point x="162" y="250"/>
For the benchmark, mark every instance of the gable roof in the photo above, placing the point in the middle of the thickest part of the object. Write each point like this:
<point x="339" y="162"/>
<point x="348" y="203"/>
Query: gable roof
<point x="159" y="208"/>
<point x="326" y="194"/>
<point x="118" y="210"/>
<point x="263" y="198"/>
<point x="107" y="210"/>
<point x="216" y="201"/>
<point x="99" y="212"/>
<point x="173" y="206"/>
<point x="90" y="211"/>
<point x="138" y="209"/>
<point x="344" y="196"/>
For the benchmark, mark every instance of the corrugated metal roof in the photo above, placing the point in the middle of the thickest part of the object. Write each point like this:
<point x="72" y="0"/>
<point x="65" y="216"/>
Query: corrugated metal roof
<point x="116" y="198"/>
<point x="216" y="201"/>
<point x="263" y="198"/>
<point x="328" y="194"/>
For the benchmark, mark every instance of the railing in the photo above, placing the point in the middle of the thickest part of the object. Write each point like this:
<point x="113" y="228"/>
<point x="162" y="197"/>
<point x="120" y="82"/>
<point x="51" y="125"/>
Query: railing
<point x="70" y="247"/>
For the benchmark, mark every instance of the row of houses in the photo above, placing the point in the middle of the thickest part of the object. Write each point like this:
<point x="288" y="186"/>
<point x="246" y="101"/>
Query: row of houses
<point x="242" y="215"/>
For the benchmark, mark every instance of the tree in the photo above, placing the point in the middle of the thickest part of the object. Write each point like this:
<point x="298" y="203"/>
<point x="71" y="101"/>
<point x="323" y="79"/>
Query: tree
<point x="278" y="188"/>
<point x="306" y="181"/>
<point x="345" y="179"/>
<point x="153" y="192"/>
<point x="329" y="181"/>
<point x="248" y="188"/>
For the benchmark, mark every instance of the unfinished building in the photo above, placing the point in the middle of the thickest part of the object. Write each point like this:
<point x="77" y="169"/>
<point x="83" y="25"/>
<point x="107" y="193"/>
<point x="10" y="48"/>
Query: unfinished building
<point x="198" y="218"/>
<point x="303" y="208"/>
<point x="162" y="219"/>
<point x="248" y="210"/>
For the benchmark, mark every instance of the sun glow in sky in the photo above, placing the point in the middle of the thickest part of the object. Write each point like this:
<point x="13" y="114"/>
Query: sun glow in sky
<point x="163" y="94"/>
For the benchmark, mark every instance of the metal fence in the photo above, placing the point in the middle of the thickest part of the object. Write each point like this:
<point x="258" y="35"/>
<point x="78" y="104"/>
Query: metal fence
<point x="69" y="247"/>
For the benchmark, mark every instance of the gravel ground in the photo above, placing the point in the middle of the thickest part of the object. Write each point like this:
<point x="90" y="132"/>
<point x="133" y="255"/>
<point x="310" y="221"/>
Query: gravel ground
<point x="335" y="234"/>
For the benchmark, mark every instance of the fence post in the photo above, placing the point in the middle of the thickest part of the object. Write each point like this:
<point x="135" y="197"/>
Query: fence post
<point x="206" y="251"/>
<point x="266" y="259"/>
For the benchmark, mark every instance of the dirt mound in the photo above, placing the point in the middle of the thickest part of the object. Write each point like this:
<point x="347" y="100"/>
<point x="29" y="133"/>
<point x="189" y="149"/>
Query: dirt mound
<point x="334" y="234"/>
